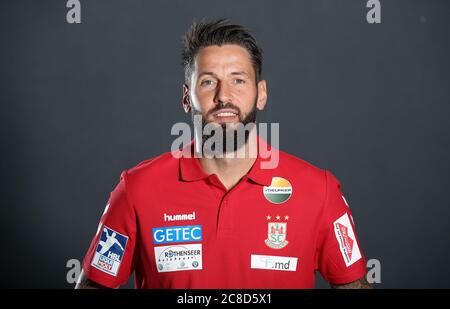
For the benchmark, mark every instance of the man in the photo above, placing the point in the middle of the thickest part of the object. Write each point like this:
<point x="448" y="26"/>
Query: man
<point x="220" y="221"/>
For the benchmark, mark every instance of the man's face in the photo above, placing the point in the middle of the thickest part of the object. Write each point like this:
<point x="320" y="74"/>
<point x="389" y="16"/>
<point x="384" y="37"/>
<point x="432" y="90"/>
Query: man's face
<point x="223" y="86"/>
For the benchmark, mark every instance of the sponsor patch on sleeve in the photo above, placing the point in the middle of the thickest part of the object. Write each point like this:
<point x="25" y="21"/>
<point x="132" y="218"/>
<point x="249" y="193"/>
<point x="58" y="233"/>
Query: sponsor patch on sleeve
<point x="347" y="240"/>
<point x="109" y="252"/>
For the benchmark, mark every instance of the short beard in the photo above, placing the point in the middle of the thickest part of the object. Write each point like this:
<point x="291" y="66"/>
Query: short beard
<point x="230" y="134"/>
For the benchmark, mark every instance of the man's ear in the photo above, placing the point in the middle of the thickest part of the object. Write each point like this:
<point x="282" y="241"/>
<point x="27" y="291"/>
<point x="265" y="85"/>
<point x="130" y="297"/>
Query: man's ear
<point x="186" y="100"/>
<point x="262" y="95"/>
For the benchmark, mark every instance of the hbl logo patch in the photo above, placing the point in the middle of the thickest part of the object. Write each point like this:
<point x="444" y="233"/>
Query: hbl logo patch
<point x="109" y="252"/>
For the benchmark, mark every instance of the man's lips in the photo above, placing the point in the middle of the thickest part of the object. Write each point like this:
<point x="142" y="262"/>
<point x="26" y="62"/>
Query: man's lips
<point x="225" y="115"/>
<point x="225" y="112"/>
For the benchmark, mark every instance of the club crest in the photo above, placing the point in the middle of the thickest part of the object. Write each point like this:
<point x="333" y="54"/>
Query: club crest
<point x="276" y="235"/>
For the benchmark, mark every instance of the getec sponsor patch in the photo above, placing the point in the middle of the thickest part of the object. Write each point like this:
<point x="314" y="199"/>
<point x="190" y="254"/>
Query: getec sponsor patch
<point x="109" y="252"/>
<point x="347" y="240"/>
<point x="173" y="234"/>
<point x="178" y="257"/>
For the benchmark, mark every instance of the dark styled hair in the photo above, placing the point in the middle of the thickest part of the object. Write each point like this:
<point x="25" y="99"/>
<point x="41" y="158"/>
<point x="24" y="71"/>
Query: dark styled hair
<point x="218" y="32"/>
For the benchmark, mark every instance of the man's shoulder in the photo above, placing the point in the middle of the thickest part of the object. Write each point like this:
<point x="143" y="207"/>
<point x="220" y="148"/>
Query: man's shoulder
<point x="299" y="165"/>
<point x="313" y="179"/>
<point x="307" y="171"/>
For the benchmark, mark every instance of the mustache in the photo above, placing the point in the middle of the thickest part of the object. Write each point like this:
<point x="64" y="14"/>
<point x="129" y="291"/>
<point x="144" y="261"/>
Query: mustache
<point x="227" y="105"/>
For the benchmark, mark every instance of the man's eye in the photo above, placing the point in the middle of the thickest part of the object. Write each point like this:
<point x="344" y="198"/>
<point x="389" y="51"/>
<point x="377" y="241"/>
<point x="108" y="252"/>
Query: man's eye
<point x="239" y="81"/>
<point x="206" y="82"/>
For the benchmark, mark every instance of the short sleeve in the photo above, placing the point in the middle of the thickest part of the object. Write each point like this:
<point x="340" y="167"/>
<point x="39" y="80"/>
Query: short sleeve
<point x="109" y="259"/>
<point x="339" y="257"/>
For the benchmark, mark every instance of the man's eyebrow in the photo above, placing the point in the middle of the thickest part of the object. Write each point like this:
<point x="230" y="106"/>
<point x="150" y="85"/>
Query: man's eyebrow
<point x="206" y="73"/>
<point x="240" y="73"/>
<point x="232" y="73"/>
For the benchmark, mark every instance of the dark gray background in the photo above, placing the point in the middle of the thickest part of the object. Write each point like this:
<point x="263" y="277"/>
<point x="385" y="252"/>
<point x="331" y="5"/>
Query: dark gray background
<point x="80" y="103"/>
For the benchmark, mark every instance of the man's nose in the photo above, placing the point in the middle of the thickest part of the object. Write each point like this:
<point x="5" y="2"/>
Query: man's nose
<point x="223" y="94"/>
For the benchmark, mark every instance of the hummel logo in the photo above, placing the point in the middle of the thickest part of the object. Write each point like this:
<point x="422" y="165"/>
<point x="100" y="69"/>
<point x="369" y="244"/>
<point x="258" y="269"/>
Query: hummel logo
<point x="183" y="217"/>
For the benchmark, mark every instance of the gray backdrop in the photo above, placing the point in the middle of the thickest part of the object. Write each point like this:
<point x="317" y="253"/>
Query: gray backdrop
<point x="82" y="102"/>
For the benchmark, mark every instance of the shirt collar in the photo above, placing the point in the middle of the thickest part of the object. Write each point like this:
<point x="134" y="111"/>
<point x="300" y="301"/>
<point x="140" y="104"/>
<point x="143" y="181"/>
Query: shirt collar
<point x="191" y="169"/>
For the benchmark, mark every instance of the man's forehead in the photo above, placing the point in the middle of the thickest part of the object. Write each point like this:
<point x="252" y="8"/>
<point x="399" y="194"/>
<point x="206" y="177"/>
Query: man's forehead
<point x="233" y="56"/>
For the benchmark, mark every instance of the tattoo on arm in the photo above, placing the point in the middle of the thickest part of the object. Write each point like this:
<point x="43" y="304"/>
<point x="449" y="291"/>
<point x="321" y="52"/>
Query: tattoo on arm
<point x="358" y="284"/>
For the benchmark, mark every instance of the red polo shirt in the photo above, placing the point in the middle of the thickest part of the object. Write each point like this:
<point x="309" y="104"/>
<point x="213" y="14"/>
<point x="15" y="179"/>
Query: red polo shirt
<point x="177" y="227"/>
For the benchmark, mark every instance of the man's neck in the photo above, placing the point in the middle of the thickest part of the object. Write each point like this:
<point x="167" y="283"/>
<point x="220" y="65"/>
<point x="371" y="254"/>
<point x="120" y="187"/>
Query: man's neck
<point x="231" y="170"/>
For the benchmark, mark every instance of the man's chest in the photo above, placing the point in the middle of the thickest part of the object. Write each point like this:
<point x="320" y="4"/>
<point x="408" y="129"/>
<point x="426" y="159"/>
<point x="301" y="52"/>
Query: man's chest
<point x="250" y="228"/>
